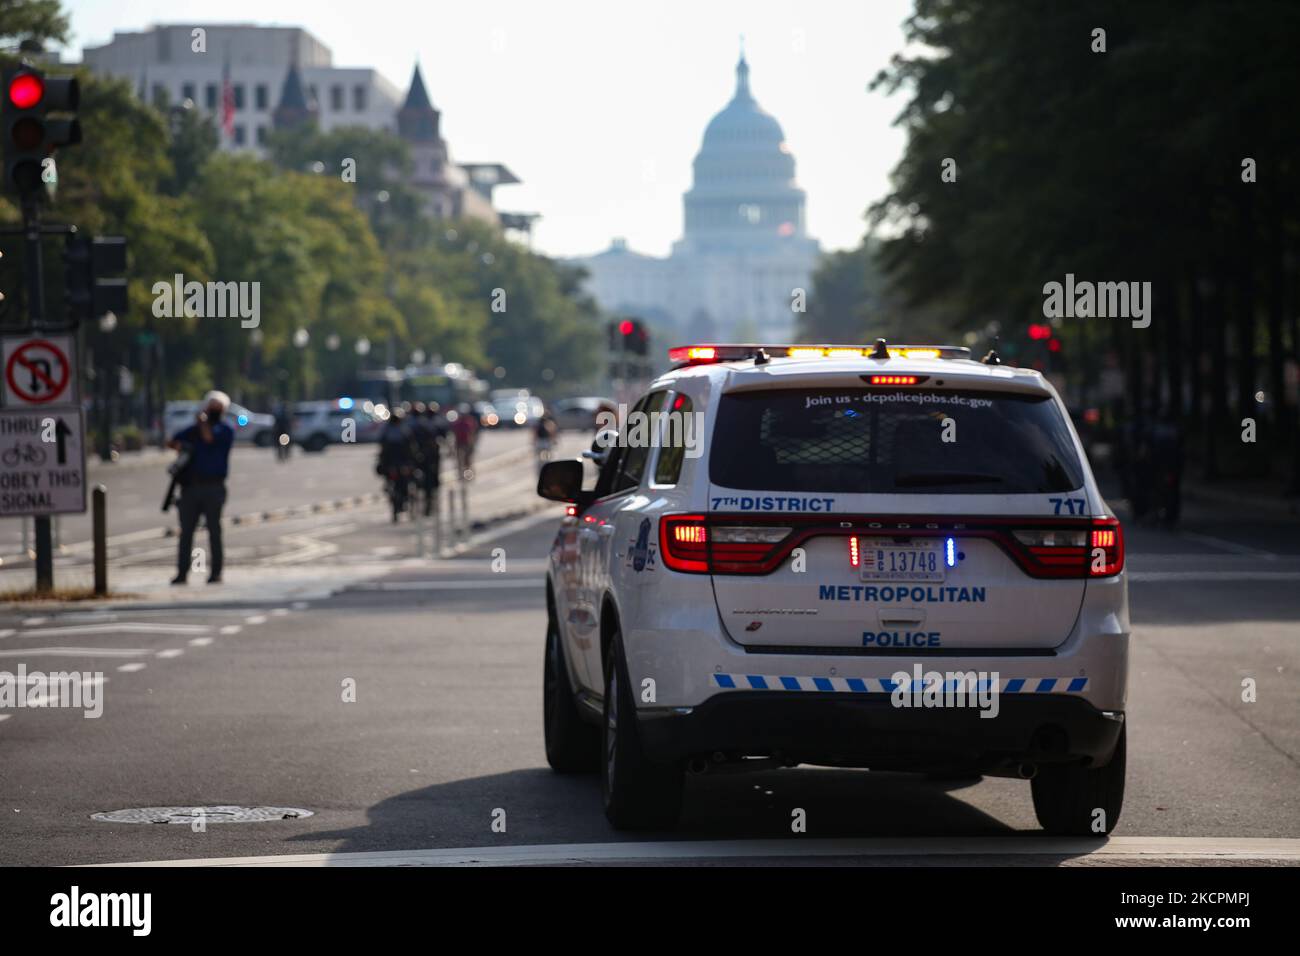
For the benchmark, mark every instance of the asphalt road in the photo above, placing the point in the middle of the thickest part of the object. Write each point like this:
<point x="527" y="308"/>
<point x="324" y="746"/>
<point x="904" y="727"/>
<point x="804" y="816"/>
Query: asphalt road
<point x="243" y="702"/>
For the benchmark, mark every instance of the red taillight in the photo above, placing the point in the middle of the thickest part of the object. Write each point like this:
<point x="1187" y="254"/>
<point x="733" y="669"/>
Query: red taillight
<point x="1106" y="557"/>
<point x="695" y="543"/>
<point x="684" y="543"/>
<point x="690" y="534"/>
<point x="1086" y="549"/>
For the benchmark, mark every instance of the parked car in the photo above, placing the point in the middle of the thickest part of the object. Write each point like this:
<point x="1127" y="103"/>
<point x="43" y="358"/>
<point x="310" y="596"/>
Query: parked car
<point x="321" y="423"/>
<point x="579" y="414"/>
<point x="255" y="427"/>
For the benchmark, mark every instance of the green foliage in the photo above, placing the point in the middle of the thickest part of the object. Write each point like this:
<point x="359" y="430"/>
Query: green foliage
<point x="41" y="20"/>
<point x="1123" y="165"/>
<point x="340" y="259"/>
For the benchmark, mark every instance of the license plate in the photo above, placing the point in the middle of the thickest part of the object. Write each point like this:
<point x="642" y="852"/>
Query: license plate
<point x="889" y="561"/>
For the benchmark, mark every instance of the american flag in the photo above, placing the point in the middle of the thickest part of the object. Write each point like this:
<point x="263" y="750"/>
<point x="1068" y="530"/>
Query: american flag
<point x="227" y="101"/>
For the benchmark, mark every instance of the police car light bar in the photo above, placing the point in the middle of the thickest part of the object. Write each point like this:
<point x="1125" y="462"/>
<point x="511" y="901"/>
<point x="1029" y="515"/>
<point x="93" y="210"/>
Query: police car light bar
<point x="683" y="355"/>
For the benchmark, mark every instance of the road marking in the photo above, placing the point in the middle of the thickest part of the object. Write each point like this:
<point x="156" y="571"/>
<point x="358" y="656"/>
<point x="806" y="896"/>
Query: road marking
<point x="77" y="652"/>
<point x="451" y="585"/>
<point x="123" y="628"/>
<point x="1210" y="576"/>
<point x="171" y="652"/>
<point x="200" y="641"/>
<point x="1230" y="546"/>
<point x="1115" y="848"/>
<point x="133" y="667"/>
<point x="232" y="629"/>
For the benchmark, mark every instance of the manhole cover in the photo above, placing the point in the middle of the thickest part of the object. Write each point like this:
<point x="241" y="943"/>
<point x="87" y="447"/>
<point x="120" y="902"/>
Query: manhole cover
<point x="188" y="815"/>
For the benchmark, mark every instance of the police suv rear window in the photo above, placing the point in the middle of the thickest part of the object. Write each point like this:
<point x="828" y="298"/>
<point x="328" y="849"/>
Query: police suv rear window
<point x="890" y="441"/>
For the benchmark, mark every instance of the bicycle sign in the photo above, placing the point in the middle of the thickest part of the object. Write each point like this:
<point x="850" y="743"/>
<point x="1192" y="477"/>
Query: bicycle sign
<point x="39" y="371"/>
<point x="43" y="452"/>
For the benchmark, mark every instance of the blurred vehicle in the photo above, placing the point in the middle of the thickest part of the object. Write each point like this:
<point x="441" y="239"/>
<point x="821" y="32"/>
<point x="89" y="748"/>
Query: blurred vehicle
<point x="317" y="424"/>
<point x="517" y="407"/>
<point x="449" y="385"/>
<point x="487" y="414"/>
<point x="579" y="414"/>
<point x="255" y="427"/>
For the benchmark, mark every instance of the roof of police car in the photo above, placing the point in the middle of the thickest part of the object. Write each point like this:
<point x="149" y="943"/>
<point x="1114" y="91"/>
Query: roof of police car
<point x="780" y="372"/>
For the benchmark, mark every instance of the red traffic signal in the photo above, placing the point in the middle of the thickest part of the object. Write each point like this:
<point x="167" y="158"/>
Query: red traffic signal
<point x="29" y="136"/>
<point x="26" y="90"/>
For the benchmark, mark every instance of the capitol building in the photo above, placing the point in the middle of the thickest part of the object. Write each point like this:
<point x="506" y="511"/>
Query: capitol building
<point x="744" y="252"/>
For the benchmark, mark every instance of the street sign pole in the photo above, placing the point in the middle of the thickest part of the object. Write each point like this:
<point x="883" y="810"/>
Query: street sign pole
<point x="36" y="316"/>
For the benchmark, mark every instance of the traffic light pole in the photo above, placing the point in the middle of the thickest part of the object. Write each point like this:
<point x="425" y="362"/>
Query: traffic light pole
<point x="36" y="316"/>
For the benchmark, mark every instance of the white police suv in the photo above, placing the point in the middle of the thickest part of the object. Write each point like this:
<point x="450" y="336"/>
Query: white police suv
<point x="893" y="557"/>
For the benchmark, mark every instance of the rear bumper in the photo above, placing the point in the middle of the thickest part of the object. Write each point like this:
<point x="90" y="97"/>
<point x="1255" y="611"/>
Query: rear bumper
<point x="868" y="730"/>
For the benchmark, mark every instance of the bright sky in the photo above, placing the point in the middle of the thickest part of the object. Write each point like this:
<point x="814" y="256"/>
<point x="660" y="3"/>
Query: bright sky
<point x="599" y="105"/>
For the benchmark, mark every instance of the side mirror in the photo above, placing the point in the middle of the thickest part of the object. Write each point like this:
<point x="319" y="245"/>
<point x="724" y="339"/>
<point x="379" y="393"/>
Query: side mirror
<point x="561" y="480"/>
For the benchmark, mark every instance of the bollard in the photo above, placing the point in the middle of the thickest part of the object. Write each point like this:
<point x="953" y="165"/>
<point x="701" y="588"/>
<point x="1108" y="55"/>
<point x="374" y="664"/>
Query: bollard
<point x="99" y="501"/>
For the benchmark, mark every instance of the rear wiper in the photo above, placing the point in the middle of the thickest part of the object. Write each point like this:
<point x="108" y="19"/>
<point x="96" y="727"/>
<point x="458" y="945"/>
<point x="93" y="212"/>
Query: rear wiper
<point x="946" y="478"/>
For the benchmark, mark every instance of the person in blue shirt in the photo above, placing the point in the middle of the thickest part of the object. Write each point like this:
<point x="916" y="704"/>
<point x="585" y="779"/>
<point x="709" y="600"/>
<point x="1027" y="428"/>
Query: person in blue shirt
<point x="204" y="490"/>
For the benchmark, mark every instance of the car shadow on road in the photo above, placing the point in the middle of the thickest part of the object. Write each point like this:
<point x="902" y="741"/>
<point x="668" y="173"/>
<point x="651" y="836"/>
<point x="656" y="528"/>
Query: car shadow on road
<point x="546" y="808"/>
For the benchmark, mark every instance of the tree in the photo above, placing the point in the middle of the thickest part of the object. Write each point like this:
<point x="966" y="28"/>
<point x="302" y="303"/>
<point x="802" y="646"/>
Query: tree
<point x="39" y="20"/>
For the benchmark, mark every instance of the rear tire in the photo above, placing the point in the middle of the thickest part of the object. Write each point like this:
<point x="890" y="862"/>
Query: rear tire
<point x="572" y="744"/>
<point x="638" y="793"/>
<point x="1066" y="798"/>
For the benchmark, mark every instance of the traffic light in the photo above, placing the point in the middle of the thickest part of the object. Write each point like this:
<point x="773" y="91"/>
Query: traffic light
<point x="91" y="276"/>
<point x="30" y="135"/>
<point x="635" y="339"/>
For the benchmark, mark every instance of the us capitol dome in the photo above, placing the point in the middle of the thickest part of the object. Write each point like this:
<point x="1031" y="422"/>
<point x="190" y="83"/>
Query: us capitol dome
<point x="744" y="249"/>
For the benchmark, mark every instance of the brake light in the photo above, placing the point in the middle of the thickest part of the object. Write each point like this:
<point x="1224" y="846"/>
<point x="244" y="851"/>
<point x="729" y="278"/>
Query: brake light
<point x="694" y="544"/>
<point x="1095" y="550"/>
<point x="683" y="543"/>
<point x="1107" y="556"/>
<point x="894" y="379"/>
<point x="691" y="534"/>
